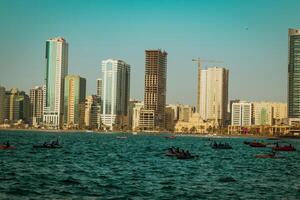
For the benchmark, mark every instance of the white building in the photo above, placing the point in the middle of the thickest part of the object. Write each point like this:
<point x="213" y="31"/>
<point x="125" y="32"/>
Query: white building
<point x="116" y="90"/>
<point x="56" y="70"/>
<point x="241" y="114"/>
<point x="214" y="94"/>
<point x="136" y="112"/>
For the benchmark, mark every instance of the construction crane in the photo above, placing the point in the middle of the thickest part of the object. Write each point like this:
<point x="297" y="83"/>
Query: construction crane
<point x="199" y="62"/>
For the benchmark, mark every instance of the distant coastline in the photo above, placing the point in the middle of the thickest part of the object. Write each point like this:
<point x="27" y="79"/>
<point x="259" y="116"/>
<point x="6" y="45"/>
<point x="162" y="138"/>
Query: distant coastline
<point x="212" y="135"/>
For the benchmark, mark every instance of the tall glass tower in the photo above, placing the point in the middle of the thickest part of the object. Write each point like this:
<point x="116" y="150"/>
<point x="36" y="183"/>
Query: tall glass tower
<point x="294" y="74"/>
<point x="56" y="70"/>
<point x="115" y="94"/>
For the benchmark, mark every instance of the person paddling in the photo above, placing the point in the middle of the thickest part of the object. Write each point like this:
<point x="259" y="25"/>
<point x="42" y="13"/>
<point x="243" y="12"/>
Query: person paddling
<point x="7" y="144"/>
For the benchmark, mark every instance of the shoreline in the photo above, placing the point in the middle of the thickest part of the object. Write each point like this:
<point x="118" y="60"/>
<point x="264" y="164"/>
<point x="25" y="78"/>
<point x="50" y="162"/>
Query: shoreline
<point x="214" y="135"/>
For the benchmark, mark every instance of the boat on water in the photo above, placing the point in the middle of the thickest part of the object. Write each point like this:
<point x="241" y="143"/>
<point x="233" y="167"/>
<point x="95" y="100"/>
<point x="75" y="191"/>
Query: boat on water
<point x="47" y="147"/>
<point x="52" y="145"/>
<point x="284" y="148"/>
<point x="134" y="133"/>
<point x="257" y="144"/>
<point x="267" y="156"/>
<point x="121" y="137"/>
<point x="220" y="145"/>
<point x="179" y="154"/>
<point x="5" y="147"/>
<point x="170" y="137"/>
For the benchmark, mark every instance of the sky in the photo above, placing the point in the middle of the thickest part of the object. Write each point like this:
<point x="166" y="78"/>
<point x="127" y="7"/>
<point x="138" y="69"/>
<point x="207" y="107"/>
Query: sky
<point x="250" y="37"/>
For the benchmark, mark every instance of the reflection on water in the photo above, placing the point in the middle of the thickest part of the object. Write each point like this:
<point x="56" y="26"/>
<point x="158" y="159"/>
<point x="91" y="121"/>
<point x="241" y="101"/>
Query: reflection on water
<point x="101" y="166"/>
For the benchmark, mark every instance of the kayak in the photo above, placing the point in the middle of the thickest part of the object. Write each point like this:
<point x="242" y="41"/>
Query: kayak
<point x="121" y="137"/>
<point x="284" y="148"/>
<point x="267" y="156"/>
<point x="185" y="157"/>
<point x="171" y="137"/>
<point x="257" y="144"/>
<point x="47" y="146"/>
<point x="4" y="147"/>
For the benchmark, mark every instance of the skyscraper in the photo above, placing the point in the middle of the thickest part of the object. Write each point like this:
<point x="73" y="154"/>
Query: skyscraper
<point x="56" y="70"/>
<point x="36" y="105"/>
<point x="2" y="104"/>
<point x="75" y="91"/>
<point x="99" y="87"/>
<point x="294" y="74"/>
<point x="214" y="94"/>
<point x="155" y="88"/>
<point x="116" y="91"/>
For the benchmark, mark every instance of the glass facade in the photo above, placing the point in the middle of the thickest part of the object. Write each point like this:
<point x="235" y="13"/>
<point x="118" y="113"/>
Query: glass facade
<point x="56" y="70"/>
<point x="294" y="74"/>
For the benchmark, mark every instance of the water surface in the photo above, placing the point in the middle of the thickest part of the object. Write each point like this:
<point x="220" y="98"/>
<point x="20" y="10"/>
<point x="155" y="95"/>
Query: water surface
<point x="100" y="166"/>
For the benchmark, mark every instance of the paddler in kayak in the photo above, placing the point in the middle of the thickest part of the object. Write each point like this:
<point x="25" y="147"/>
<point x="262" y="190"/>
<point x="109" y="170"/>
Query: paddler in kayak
<point x="7" y="144"/>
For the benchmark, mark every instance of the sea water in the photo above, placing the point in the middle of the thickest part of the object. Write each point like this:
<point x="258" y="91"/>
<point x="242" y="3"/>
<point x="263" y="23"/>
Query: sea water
<point x="101" y="166"/>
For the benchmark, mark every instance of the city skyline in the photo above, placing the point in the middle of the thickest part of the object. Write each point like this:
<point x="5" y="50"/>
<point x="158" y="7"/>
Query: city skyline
<point x="250" y="49"/>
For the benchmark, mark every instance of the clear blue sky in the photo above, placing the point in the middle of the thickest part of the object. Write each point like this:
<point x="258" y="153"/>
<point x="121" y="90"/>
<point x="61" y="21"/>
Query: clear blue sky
<point x="249" y="36"/>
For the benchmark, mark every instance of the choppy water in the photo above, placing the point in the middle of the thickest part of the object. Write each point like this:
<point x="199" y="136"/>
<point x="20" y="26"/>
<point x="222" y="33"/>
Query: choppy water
<point x="99" y="166"/>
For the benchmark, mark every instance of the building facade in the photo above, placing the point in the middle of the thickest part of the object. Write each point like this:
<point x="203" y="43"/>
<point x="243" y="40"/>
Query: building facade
<point x="241" y="114"/>
<point x="17" y="106"/>
<point x="136" y="113"/>
<point x="131" y="105"/>
<point x="155" y="87"/>
<point x="56" y="70"/>
<point x="36" y="105"/>
<point x="263" y="113"/>
<point x="74" y="101"/>
<point x="99" y="87"/>
<point x="2" y="104"/>
<point x="92" y="114"/>
<point x="116" y="92"/>
<point x="214" y="95"/>
<point x="294" y="74"/>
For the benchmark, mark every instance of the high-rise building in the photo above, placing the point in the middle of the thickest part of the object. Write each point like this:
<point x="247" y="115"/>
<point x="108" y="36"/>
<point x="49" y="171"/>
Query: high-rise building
<point x="92" y="118"/>
<point x="75" y="91"/>
<point x="56" y="70"/>
<point x="2" y="104"/>
<point x="214" y="94"/>
<point x="116" y="91"/>
<point x="263" y="113"/>
<point x="36" y="105"/>
<point x="99" y="87"/>
<point x="155" y="87"/>
<point x="241" y="114"/>
<point x="293" y="74"/>
<point x="17" y="106"/>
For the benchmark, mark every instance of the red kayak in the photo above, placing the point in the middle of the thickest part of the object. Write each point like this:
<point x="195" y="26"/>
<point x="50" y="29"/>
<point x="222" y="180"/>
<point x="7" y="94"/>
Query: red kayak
<point x="4" y="147"/>
<point x="267" y="156"/>
<point x="284" y="148"/>
<point x="257" y="144"/>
